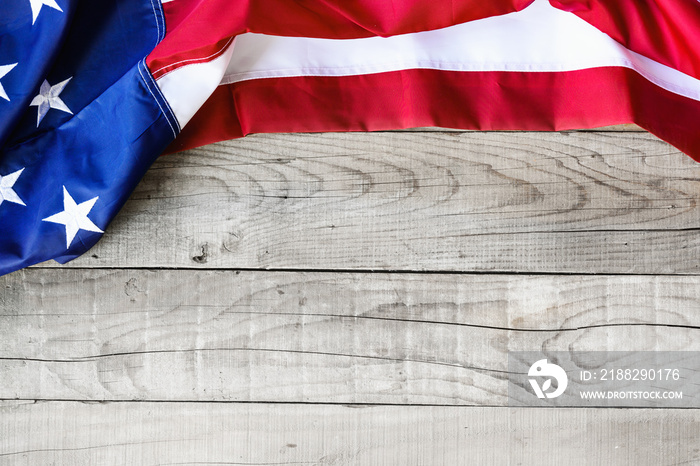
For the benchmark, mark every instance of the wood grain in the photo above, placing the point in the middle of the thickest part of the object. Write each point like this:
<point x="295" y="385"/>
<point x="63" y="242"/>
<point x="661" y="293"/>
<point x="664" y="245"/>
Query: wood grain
<point x="152" y="434"/>
<point x="623" y="127"/>
<point x="317" y="337"/>
<point x="527" y="202"/>
<point x="170" y="344"/>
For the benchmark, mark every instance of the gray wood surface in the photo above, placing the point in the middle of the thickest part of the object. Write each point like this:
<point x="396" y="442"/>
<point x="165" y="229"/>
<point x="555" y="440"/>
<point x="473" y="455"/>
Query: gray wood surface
<point x="353" y="298"/>
<point x="609" y="202"/>
<point x="318" y="337"/>
<point x="149" y="434"/>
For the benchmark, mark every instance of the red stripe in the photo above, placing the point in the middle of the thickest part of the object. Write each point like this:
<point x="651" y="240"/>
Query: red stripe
<point x="667" y="31"/>
<point x="202" y="55"/>
<point x="468" y="100"/>
<point x="197" y="28"/>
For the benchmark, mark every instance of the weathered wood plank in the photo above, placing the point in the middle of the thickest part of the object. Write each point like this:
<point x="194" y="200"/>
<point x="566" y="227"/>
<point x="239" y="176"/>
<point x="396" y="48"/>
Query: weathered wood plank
<point x="623" y="127"/>
<point x="229" y="433"/>
<point x="317" y="337"/>
<point x="533" y="202"/>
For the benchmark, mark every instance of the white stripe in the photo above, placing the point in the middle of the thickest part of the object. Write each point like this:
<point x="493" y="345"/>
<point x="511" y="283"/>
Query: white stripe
<point x="538" y="38"/>
<point x="188" y="87"/>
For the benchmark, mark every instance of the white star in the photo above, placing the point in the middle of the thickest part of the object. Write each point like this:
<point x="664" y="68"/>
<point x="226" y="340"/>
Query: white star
<point x="74" y="217"/>
<point x="49" y="98"/>
<point x="6" y="192"/>
<point x="37" y="4"/>
<point x="4" y="69"/>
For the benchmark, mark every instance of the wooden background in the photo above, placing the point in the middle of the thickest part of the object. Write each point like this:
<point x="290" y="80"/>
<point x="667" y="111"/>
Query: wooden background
<point x="352" y="299"/>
